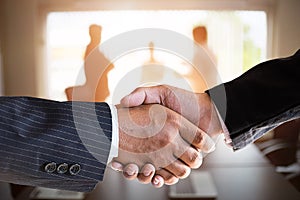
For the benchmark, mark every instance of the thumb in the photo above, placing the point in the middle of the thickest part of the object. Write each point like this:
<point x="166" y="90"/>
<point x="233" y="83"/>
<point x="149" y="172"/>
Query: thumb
<point x="135" y="98"/>
<point x="142" y="95"/>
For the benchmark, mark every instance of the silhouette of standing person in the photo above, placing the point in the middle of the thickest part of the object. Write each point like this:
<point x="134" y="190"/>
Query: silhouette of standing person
<point x="96" y="69"/>
<point x="200" y="37"/>
<point x="203" y="77"/>
<point x="152" y="70"/>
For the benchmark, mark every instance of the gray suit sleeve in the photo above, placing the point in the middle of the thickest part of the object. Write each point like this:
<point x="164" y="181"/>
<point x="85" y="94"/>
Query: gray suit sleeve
<point x="62" y="145"/>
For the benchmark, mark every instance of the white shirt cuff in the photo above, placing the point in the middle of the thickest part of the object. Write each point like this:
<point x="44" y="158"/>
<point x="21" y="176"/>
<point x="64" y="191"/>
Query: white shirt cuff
<point x="114" y="148"/>
<point x="228" y="140"/>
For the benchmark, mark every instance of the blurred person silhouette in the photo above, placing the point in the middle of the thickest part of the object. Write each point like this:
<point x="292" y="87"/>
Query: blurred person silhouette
<point x="152" y="70"/>
<point x="201" y="37"/>
<point x="206" y="77"/>
<point x="96" y="69"/>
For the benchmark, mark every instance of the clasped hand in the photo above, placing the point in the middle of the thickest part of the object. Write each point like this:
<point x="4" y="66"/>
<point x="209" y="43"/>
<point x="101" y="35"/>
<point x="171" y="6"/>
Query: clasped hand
<point x="163" y="132"/>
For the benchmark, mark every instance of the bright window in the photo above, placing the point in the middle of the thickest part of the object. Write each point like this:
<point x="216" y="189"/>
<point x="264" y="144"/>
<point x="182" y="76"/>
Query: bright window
<point x="237" y="39"/>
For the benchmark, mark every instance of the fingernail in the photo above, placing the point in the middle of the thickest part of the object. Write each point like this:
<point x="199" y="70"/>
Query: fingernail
<point x="130" y="172"/>
<point x="156" y="181"/>
<point x="147" y="172"/>
<point x="116" y="166"/>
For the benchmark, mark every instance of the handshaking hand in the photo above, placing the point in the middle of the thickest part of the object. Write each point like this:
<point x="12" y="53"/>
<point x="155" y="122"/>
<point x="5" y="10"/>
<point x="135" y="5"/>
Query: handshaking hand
<point x="157" y="135"/>
<point x="196" y="108"/>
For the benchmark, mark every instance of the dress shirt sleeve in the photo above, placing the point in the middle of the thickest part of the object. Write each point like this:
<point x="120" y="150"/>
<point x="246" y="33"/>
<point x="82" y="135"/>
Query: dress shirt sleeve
<point x="115" y="134"/>
<point x="259" y="100"/>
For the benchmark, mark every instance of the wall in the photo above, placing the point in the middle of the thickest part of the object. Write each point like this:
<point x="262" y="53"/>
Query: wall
<point x="22" y="36"/>
<point x="19" y="47"/>
<point x="2" y="24"/>
<point x="286" y="28"/>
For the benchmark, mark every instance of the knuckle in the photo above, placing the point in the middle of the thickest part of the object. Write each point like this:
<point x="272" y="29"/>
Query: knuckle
<point x="198" y="139"/>
<point x="174" y="120"/>
<point x="184" y="172"/>
<point x="161" y="87"/>
<point x="169" y="178"/>
<point x="194" y="157"/>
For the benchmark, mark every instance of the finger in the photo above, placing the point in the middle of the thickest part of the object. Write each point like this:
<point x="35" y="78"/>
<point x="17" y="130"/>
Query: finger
<point x="142" y="95"/>
<point x="168" y="177"/>
<point x="116" y="166"/>
<point x="196" y="136"/>
<point x="131" y="171"/>
<point x="158" y="181"/>
<point x="189" y="155"/>
<point x="192" y="158"/>
<point x="178" y="169"/>
<point x="146" y="174"/>
<point x="135" y="98"/>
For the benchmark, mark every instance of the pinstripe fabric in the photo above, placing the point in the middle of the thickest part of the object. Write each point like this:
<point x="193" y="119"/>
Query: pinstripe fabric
<point x="34" y="132"/>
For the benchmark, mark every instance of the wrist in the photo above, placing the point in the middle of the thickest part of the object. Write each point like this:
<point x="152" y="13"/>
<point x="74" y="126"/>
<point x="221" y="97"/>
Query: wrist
<point x="209" y="121"/>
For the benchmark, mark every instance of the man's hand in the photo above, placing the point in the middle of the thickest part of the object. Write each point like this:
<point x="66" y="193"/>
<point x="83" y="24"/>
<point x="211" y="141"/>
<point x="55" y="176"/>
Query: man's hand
<point x="157" y="135"/>
<point x="197" y="108"/>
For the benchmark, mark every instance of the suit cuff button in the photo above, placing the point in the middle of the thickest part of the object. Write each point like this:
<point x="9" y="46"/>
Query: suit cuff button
<point x="62" y="168"/>
<point x="50" y="167"/>
<point x="75" y="169"/>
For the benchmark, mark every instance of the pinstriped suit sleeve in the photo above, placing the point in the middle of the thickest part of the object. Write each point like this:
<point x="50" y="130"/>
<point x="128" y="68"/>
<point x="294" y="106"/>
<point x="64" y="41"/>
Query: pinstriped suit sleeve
<point x="35" y="132"/>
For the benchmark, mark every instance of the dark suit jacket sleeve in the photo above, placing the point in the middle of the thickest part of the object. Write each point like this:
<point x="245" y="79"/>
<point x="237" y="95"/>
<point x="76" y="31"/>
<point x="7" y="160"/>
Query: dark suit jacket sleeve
<point x="259" y="100"/>
<point x="63" y="145"/>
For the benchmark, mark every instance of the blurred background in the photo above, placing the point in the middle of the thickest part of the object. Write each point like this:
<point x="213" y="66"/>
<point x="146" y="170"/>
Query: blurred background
<point x="43" y="40"/>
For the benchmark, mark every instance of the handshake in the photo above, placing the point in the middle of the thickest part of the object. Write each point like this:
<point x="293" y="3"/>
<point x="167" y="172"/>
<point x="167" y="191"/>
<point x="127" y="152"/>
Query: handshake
<point x="163" y="133"/>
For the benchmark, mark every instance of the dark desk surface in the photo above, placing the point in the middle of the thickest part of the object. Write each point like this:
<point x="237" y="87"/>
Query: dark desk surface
<point x="241" y="175"/>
